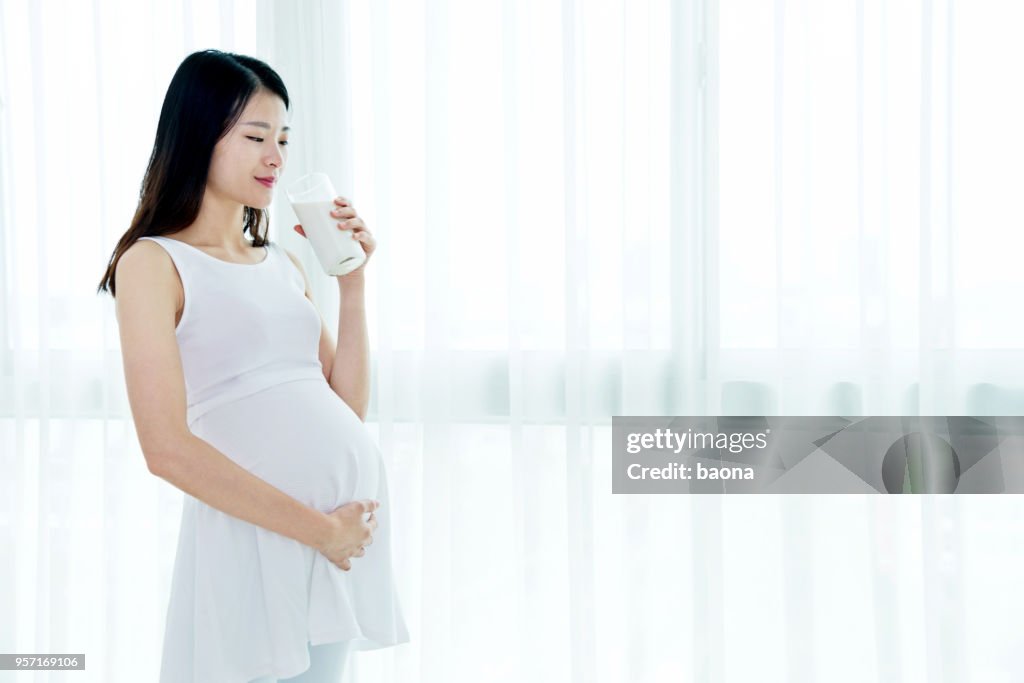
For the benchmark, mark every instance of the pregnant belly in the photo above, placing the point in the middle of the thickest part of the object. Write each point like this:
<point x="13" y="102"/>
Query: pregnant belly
<point x="300" y="437"/>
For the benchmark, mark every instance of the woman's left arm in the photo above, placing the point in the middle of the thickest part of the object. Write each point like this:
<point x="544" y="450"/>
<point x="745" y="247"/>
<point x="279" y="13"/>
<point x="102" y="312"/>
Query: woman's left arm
<point x="350" y="371"/>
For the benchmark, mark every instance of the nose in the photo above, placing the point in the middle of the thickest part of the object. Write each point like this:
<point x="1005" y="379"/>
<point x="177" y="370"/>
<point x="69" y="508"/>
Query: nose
<point x="276" y="159"/>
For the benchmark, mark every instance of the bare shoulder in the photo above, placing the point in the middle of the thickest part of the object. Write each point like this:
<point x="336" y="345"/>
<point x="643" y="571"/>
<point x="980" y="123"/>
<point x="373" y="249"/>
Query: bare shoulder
<point x="143" y="251"/>
<point x="298" y="264"/>
<point x="295" y="259"/>
<point x="145" y="264"/>
<point x="146" y="269"/>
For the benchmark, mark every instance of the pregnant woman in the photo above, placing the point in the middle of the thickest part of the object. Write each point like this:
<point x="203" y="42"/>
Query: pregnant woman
<point x="241" y="400"/>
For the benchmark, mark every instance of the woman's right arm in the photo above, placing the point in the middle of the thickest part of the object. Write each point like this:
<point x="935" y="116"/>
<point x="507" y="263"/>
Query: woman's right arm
<point x="146" y="302"/>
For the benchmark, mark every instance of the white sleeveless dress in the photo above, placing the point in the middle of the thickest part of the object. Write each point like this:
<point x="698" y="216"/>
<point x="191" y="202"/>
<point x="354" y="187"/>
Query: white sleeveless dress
<point x="245" y="601"/>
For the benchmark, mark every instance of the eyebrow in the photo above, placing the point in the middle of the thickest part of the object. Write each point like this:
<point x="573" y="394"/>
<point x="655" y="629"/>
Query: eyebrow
<point x="263" y="124"/>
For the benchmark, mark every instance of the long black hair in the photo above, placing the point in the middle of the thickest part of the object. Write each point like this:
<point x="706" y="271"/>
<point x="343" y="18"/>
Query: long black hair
<point x="204" y="100"/>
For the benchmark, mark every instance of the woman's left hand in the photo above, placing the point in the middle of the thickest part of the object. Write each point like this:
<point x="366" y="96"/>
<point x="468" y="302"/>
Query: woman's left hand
<point x="348" y="220"/>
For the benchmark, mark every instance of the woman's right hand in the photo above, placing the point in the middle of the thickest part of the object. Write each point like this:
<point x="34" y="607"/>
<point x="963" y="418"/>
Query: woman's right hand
<point x="351" y="533"/>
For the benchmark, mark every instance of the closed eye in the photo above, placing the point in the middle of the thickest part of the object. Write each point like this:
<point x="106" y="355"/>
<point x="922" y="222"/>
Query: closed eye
<point x="283" y="142"/>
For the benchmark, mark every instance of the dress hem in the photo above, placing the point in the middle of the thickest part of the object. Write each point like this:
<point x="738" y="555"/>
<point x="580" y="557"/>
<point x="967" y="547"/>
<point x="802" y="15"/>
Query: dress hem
<point x="361" y="643"/>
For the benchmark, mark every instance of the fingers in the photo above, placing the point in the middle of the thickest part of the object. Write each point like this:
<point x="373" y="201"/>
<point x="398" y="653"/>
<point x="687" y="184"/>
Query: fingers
<point x="352" y="224"/>
<point x="365" y="505"/>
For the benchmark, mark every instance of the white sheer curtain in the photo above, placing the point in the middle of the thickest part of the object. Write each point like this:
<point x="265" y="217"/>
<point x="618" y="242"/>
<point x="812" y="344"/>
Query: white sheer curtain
<point x="584" y="209"/>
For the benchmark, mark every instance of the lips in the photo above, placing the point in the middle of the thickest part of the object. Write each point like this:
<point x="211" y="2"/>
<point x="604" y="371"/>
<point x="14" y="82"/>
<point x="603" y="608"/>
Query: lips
<point x="268" y="182"/>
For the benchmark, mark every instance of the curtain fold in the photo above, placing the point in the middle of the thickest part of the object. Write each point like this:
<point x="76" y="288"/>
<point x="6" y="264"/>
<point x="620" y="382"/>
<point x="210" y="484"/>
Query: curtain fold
<point x="583" y="209"/>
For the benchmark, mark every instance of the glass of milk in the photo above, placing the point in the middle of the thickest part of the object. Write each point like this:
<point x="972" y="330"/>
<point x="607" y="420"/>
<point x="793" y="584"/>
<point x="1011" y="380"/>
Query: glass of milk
<point x="312" y="199"/>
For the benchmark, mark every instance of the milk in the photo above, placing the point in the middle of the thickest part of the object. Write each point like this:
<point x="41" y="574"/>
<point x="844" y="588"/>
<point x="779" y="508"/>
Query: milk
<point x="337" y="250"/>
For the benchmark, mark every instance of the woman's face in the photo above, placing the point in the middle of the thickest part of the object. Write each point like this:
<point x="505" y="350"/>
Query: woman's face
<point x="254" y="148"/>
